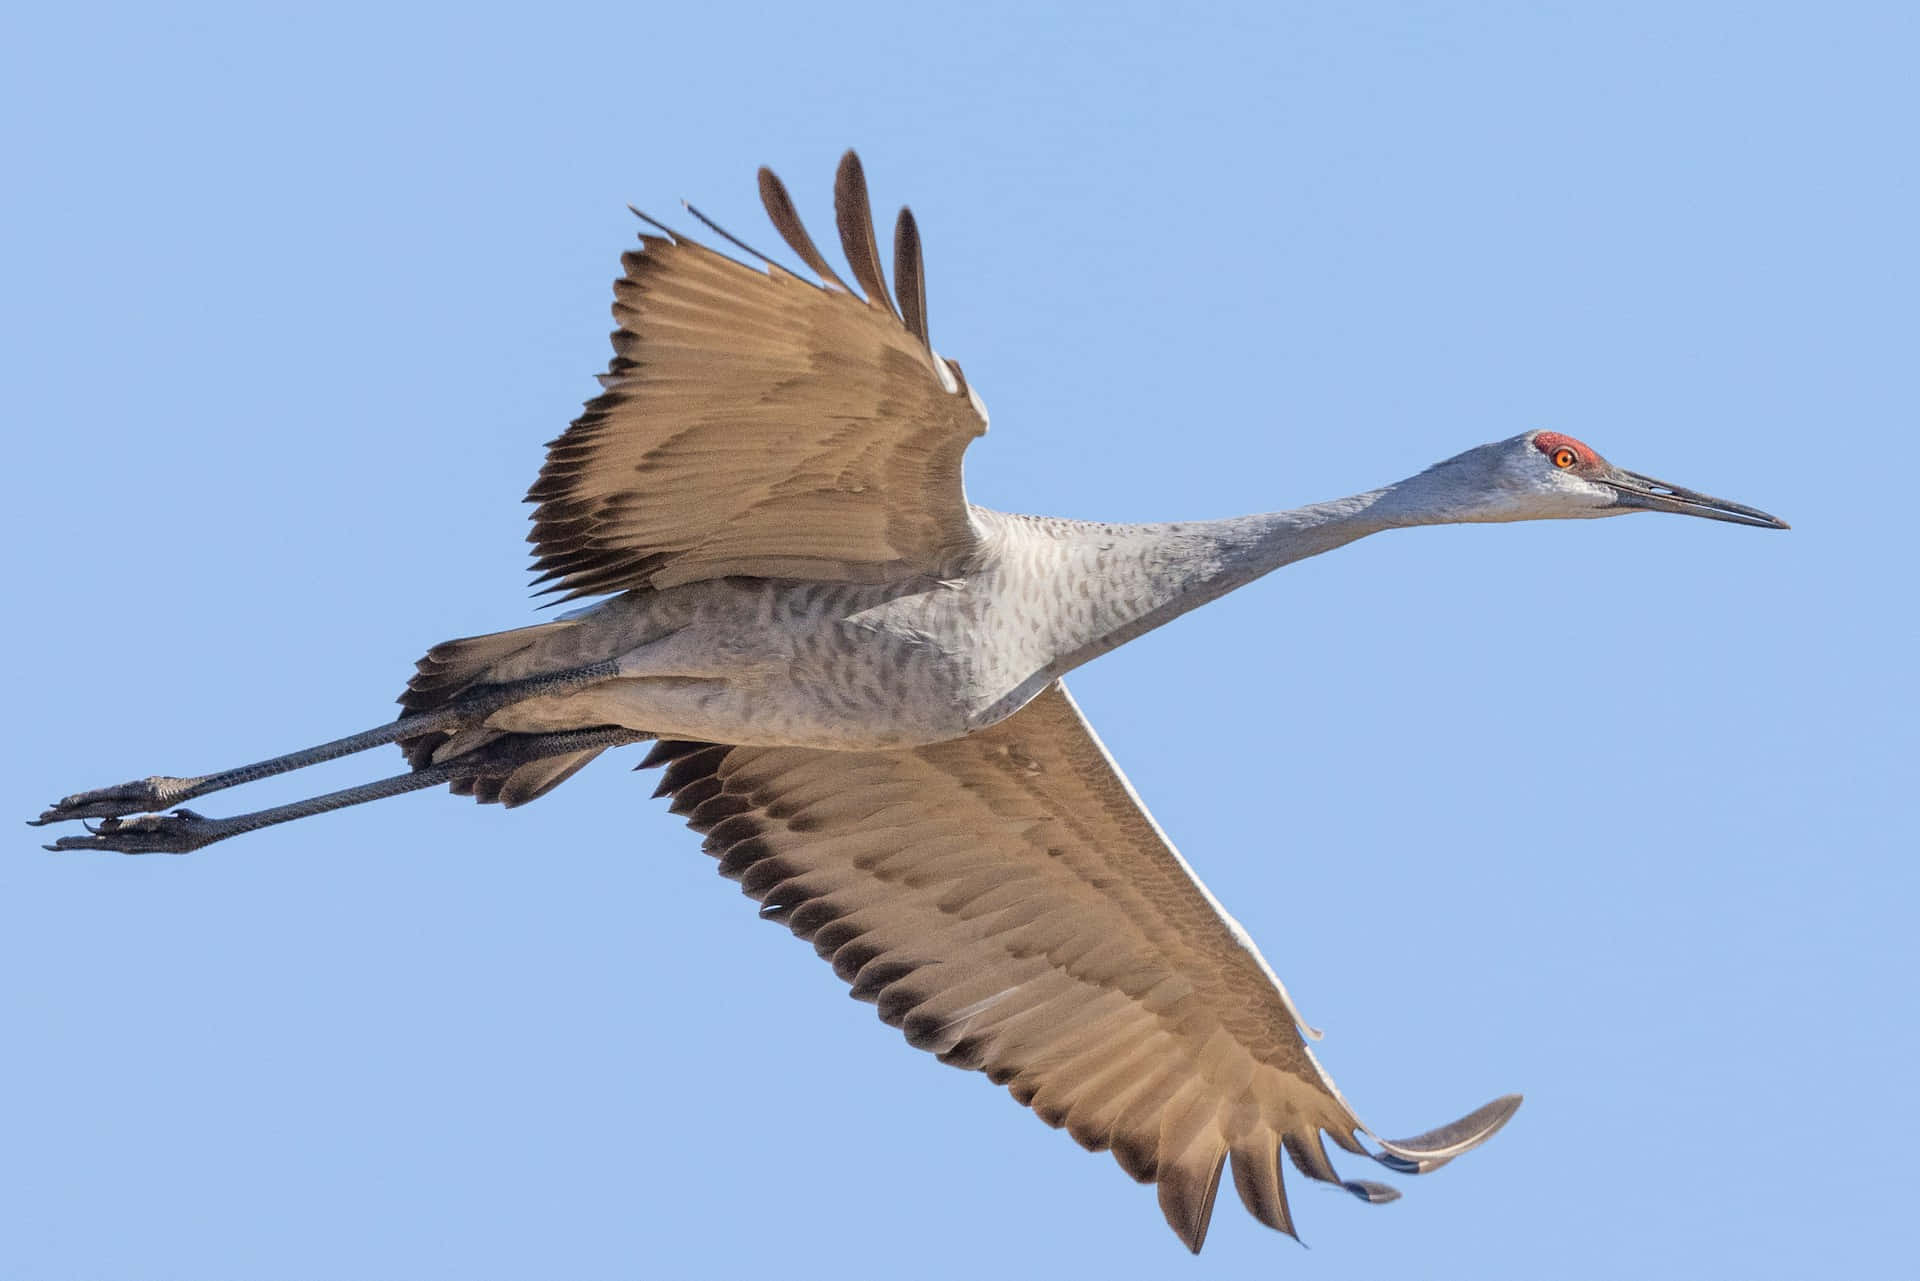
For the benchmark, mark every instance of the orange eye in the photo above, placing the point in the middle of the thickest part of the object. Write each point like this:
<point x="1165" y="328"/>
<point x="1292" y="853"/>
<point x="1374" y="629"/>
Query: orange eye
<point x="1563" y="457"/>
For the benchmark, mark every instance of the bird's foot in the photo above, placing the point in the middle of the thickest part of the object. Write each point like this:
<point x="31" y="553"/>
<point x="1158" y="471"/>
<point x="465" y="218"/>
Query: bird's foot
<point x="139" y="797"/>
<point x="177" y="833"/>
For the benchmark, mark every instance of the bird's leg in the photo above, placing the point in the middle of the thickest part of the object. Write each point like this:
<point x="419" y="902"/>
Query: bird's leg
<point x="161" y="791"/>
<point x="183" y="830"/>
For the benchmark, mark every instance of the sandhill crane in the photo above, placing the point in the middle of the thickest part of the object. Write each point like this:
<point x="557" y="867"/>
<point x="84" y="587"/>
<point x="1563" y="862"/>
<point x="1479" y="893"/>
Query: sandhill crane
<point x="852" y="677"/>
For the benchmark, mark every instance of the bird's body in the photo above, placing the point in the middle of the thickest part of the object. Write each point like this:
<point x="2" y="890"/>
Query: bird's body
<point x="852" y="675"/>
<point x="904" y="663"/>
<point x="930" y="656"/>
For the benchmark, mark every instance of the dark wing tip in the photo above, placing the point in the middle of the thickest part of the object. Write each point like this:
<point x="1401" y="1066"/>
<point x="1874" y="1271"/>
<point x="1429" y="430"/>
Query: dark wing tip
<point x="1256" y="1177"/>
<point x="909" y="276"/>
<point x="654" y="222"/>
<point x="1370" y="1192"/>
<point x="732" y="239"/>
<point x="1186" y="1199"/>
<point x="1430" y="1151"/>
<point x="853" y="212"/>
<point x="786" y="220"/>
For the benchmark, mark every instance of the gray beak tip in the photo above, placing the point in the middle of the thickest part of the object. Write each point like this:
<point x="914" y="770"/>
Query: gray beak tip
<point x="1647" y="494"/>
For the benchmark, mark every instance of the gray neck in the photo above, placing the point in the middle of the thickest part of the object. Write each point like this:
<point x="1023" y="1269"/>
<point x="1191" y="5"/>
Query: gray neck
<point x="1148" y="575"/>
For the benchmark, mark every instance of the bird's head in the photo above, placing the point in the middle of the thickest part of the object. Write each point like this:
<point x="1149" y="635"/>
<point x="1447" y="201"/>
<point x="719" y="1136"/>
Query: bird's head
<point x="1545" y="475"/>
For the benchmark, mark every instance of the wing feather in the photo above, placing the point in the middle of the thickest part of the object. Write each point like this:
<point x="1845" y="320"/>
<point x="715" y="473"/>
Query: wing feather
<point x="754" y="423"/>
<point x="854" y="214"/>
<point x="909" y="276"/>
<point x="1006" y="901"/>
<point x="786" y="220"/>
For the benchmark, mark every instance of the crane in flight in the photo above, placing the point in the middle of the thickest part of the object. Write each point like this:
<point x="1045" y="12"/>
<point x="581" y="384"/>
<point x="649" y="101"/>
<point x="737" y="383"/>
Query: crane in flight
<point x="852" y="677"/>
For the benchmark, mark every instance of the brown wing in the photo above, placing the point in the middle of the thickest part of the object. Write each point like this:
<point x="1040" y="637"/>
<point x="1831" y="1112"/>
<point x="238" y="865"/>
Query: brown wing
<point x="1011" y="906"/>
<point x="755" y="423"/>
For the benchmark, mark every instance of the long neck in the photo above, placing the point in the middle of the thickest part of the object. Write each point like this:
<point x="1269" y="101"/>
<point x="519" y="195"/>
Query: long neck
<point x="1138" y="577"/>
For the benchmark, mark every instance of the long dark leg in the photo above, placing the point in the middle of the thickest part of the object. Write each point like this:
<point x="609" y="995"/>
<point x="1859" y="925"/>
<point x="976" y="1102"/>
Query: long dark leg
<point x="184" y="831"/>
<point x="160" y="792"/>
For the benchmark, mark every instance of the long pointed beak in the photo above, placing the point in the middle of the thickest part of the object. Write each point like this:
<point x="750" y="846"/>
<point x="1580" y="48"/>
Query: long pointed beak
<point x="1635" y="490"/>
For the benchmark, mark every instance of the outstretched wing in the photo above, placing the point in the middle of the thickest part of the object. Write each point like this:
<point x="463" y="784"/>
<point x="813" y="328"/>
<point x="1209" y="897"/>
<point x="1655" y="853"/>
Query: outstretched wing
<point x="1011" y="906"/>
<point x="755" y="423"/>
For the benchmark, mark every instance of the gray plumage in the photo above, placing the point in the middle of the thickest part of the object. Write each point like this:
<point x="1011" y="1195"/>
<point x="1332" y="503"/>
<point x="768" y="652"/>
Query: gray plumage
<point x="853" y="679"/>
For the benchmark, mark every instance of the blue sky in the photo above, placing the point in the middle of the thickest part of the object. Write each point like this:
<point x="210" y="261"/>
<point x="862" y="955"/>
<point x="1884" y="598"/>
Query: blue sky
<point x="1616" y="813"/>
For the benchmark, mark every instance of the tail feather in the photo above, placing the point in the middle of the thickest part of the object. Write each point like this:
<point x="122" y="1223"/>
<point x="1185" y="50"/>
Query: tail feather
<point x="536" y="778"/>
<point x="449" y="670"/>
<point x="499" y="777"/>
<point x="453" y="666"/>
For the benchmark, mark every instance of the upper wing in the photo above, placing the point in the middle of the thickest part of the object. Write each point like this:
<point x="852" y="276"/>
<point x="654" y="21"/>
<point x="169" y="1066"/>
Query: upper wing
<point x="755" y="423"/>
<point x="1010" y="905"/>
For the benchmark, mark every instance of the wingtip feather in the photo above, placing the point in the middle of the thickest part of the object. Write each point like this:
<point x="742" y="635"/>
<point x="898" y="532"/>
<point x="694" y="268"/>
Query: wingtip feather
<point x="786" y="220"/>
<point x="1425" y="1152"/>
<point x="1186" y="1198"/>
<point x="910" y="276"/>
<point x="853" y="213"/>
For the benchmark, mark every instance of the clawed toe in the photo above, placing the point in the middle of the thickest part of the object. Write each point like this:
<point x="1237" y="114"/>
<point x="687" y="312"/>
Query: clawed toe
<point x="177" y="833"/>
<point x="138" y="797"/>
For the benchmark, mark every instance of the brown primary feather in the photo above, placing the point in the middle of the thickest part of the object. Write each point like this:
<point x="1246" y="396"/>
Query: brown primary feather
<point x="786" y="220"/>
<point x="753" y="424"/>
<point x="1006" y="903"/>
<point x="910" y="276"/>
<point x="854" y="214"/>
